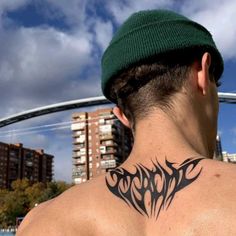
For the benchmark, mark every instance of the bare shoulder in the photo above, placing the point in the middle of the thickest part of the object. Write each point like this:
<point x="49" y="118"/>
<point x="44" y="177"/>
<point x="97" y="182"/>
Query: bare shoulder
<point x="220" y="168"/>
<point x="219" y="181"/>
<point x="65" y="214"/>
<point x="32" y="215"/>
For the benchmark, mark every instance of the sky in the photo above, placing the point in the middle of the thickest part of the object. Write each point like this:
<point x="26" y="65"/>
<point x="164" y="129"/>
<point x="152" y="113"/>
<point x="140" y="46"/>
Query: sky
<point x="51" y="52"/>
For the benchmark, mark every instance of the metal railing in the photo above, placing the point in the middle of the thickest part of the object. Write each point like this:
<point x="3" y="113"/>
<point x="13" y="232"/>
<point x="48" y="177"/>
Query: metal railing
<point x="63" y="106"/>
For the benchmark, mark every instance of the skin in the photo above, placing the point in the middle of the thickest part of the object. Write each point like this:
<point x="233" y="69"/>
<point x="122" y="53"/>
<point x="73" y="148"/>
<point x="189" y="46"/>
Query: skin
<point x="204" y="206"/>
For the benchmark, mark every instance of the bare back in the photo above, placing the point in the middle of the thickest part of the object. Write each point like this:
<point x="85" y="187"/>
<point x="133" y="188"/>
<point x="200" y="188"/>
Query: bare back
<point x="204" y="206"/>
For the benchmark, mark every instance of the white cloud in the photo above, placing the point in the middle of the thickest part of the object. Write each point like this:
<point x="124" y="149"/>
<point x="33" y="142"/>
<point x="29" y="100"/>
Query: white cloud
<point x="72" y="12"/>
<point x="121" y="10"/>
<point x="103" y="33"/>
<point x="218" y="18"/>
<point x="6" y="5"/>
<point x="43" y="65"/>
<point x="39" y="66"/>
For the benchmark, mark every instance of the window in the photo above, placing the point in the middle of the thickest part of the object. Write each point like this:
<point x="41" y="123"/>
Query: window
<point x="110" y="149"/>
<point x="107" y="156"/>
<point x="108" y="164"/>
<point x="101" y="121"/>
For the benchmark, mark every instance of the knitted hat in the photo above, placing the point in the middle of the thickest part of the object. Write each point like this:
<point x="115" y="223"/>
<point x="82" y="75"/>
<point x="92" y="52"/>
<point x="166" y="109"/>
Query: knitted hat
<point x="147" y="34"/>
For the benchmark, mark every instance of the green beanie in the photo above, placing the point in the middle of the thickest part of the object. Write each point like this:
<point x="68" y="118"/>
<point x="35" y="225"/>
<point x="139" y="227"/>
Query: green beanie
<point x="150" y="33"/>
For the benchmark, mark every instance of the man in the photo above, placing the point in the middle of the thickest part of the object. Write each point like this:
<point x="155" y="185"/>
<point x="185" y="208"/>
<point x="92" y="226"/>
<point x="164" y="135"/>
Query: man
<point x="161" y="69"/>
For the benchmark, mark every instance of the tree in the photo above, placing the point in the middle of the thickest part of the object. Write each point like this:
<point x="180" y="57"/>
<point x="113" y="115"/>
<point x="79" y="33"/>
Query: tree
<point x="24" y="196"/>
<point x="34" y="193"/>
<point x="53" y="190"/>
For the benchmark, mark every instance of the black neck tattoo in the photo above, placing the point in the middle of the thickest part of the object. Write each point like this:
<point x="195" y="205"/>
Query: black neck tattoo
<point x="159" y="184"/>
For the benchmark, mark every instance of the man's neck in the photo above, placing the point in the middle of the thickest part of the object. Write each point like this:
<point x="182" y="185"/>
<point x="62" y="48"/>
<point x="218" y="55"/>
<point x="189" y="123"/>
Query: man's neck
<point x="161" y="137"/>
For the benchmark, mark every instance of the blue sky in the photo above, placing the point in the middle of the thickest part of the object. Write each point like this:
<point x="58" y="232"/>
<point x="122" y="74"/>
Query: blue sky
<point x="51" y="52"/>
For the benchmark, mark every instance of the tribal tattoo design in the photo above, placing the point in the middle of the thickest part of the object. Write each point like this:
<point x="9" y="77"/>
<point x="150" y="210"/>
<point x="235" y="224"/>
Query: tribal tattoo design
<point x="151" y="190"/>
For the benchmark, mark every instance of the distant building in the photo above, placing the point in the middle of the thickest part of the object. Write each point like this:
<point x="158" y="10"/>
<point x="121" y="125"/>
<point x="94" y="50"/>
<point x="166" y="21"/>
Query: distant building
<point x="101" y="142"/>
<point x="218" y="151"/>
<point x="4" y="165"/>
<point x="46" y="166"/>
<point x="229" y="157"/>
<point x="17" y="162"/>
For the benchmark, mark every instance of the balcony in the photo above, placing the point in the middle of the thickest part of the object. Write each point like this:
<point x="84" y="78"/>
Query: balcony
<point x="13" y="159"/>
<point x="79" y="162"/>
<point x="75" y="155"/>
<point x="77" y="135"/>
<point x="78" y="147"/>
<point x="79" y="141"/>
<point x="78" y="126"/>
<point x="108" y="164"/>
<point x="109" y="143"/>
<point x="107" y="156"/>
<point x="101" y="121"/>
<point x="29" y="163"/>
<point x="106" y="136"/>
<point x="111" y="150"/>
<point x="107" y="150"/>
<point x="78" y="174"/>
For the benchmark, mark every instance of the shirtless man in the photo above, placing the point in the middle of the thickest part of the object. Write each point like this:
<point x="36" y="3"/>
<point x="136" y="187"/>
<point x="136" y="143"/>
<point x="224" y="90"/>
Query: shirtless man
<point x="162" y="71"/>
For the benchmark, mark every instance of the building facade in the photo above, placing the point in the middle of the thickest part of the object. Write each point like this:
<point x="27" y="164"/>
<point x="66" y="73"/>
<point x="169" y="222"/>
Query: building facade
<point x="18" y="162"/>
<point x="101" y="142"/>
<point x="227" y="157"/>
<point x="4" y="165"/>
<point x="218" y="151"/>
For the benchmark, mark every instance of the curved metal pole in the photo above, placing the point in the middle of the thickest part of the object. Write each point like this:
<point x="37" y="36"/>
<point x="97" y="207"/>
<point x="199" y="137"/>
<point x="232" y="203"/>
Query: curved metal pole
<point x="227" y="97"/>
<point x="63" y="106"/>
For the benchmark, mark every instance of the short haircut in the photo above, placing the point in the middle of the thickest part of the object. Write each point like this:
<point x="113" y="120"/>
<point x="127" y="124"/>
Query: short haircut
<point x="152" y="83"/>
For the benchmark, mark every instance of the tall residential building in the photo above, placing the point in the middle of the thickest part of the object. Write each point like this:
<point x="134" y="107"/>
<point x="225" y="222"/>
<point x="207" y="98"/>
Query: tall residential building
<point x="17" y="162"/>
<point x="218" y="151"/>
<point x="101" y="142"/>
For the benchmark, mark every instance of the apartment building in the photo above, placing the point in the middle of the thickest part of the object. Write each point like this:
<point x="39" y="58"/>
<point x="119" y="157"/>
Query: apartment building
<point x="46" y="166"/>
<point x="229" y="157"/>
<point x="4" y="157"/>
<point x="101" y="142"/>
<point x="18" y="162"/>
<point x="14" y="168"/>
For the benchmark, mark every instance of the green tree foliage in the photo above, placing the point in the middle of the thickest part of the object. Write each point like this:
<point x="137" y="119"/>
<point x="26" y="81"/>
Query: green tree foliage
<point x="24" y="196"/>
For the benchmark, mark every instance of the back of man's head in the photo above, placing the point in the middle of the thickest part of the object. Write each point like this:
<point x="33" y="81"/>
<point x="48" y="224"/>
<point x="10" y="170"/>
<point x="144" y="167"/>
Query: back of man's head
<point x="149" y="60"/>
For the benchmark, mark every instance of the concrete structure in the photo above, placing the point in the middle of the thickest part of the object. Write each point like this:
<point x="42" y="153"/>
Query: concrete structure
<point x="62" y="106"/>
<point x="229" y="157"/>
<point x="17" y="162"/>
<point x="218" y="153"/>
<point x="101" y="142"/>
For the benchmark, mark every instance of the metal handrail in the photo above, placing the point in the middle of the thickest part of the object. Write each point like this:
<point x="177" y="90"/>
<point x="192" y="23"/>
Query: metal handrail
<point x="93" y="101"/>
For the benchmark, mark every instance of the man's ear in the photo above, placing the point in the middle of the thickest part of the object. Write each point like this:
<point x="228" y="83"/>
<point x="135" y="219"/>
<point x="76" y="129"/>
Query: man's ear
<point x="121" y="116"/>
<point x="203" y="73"/>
